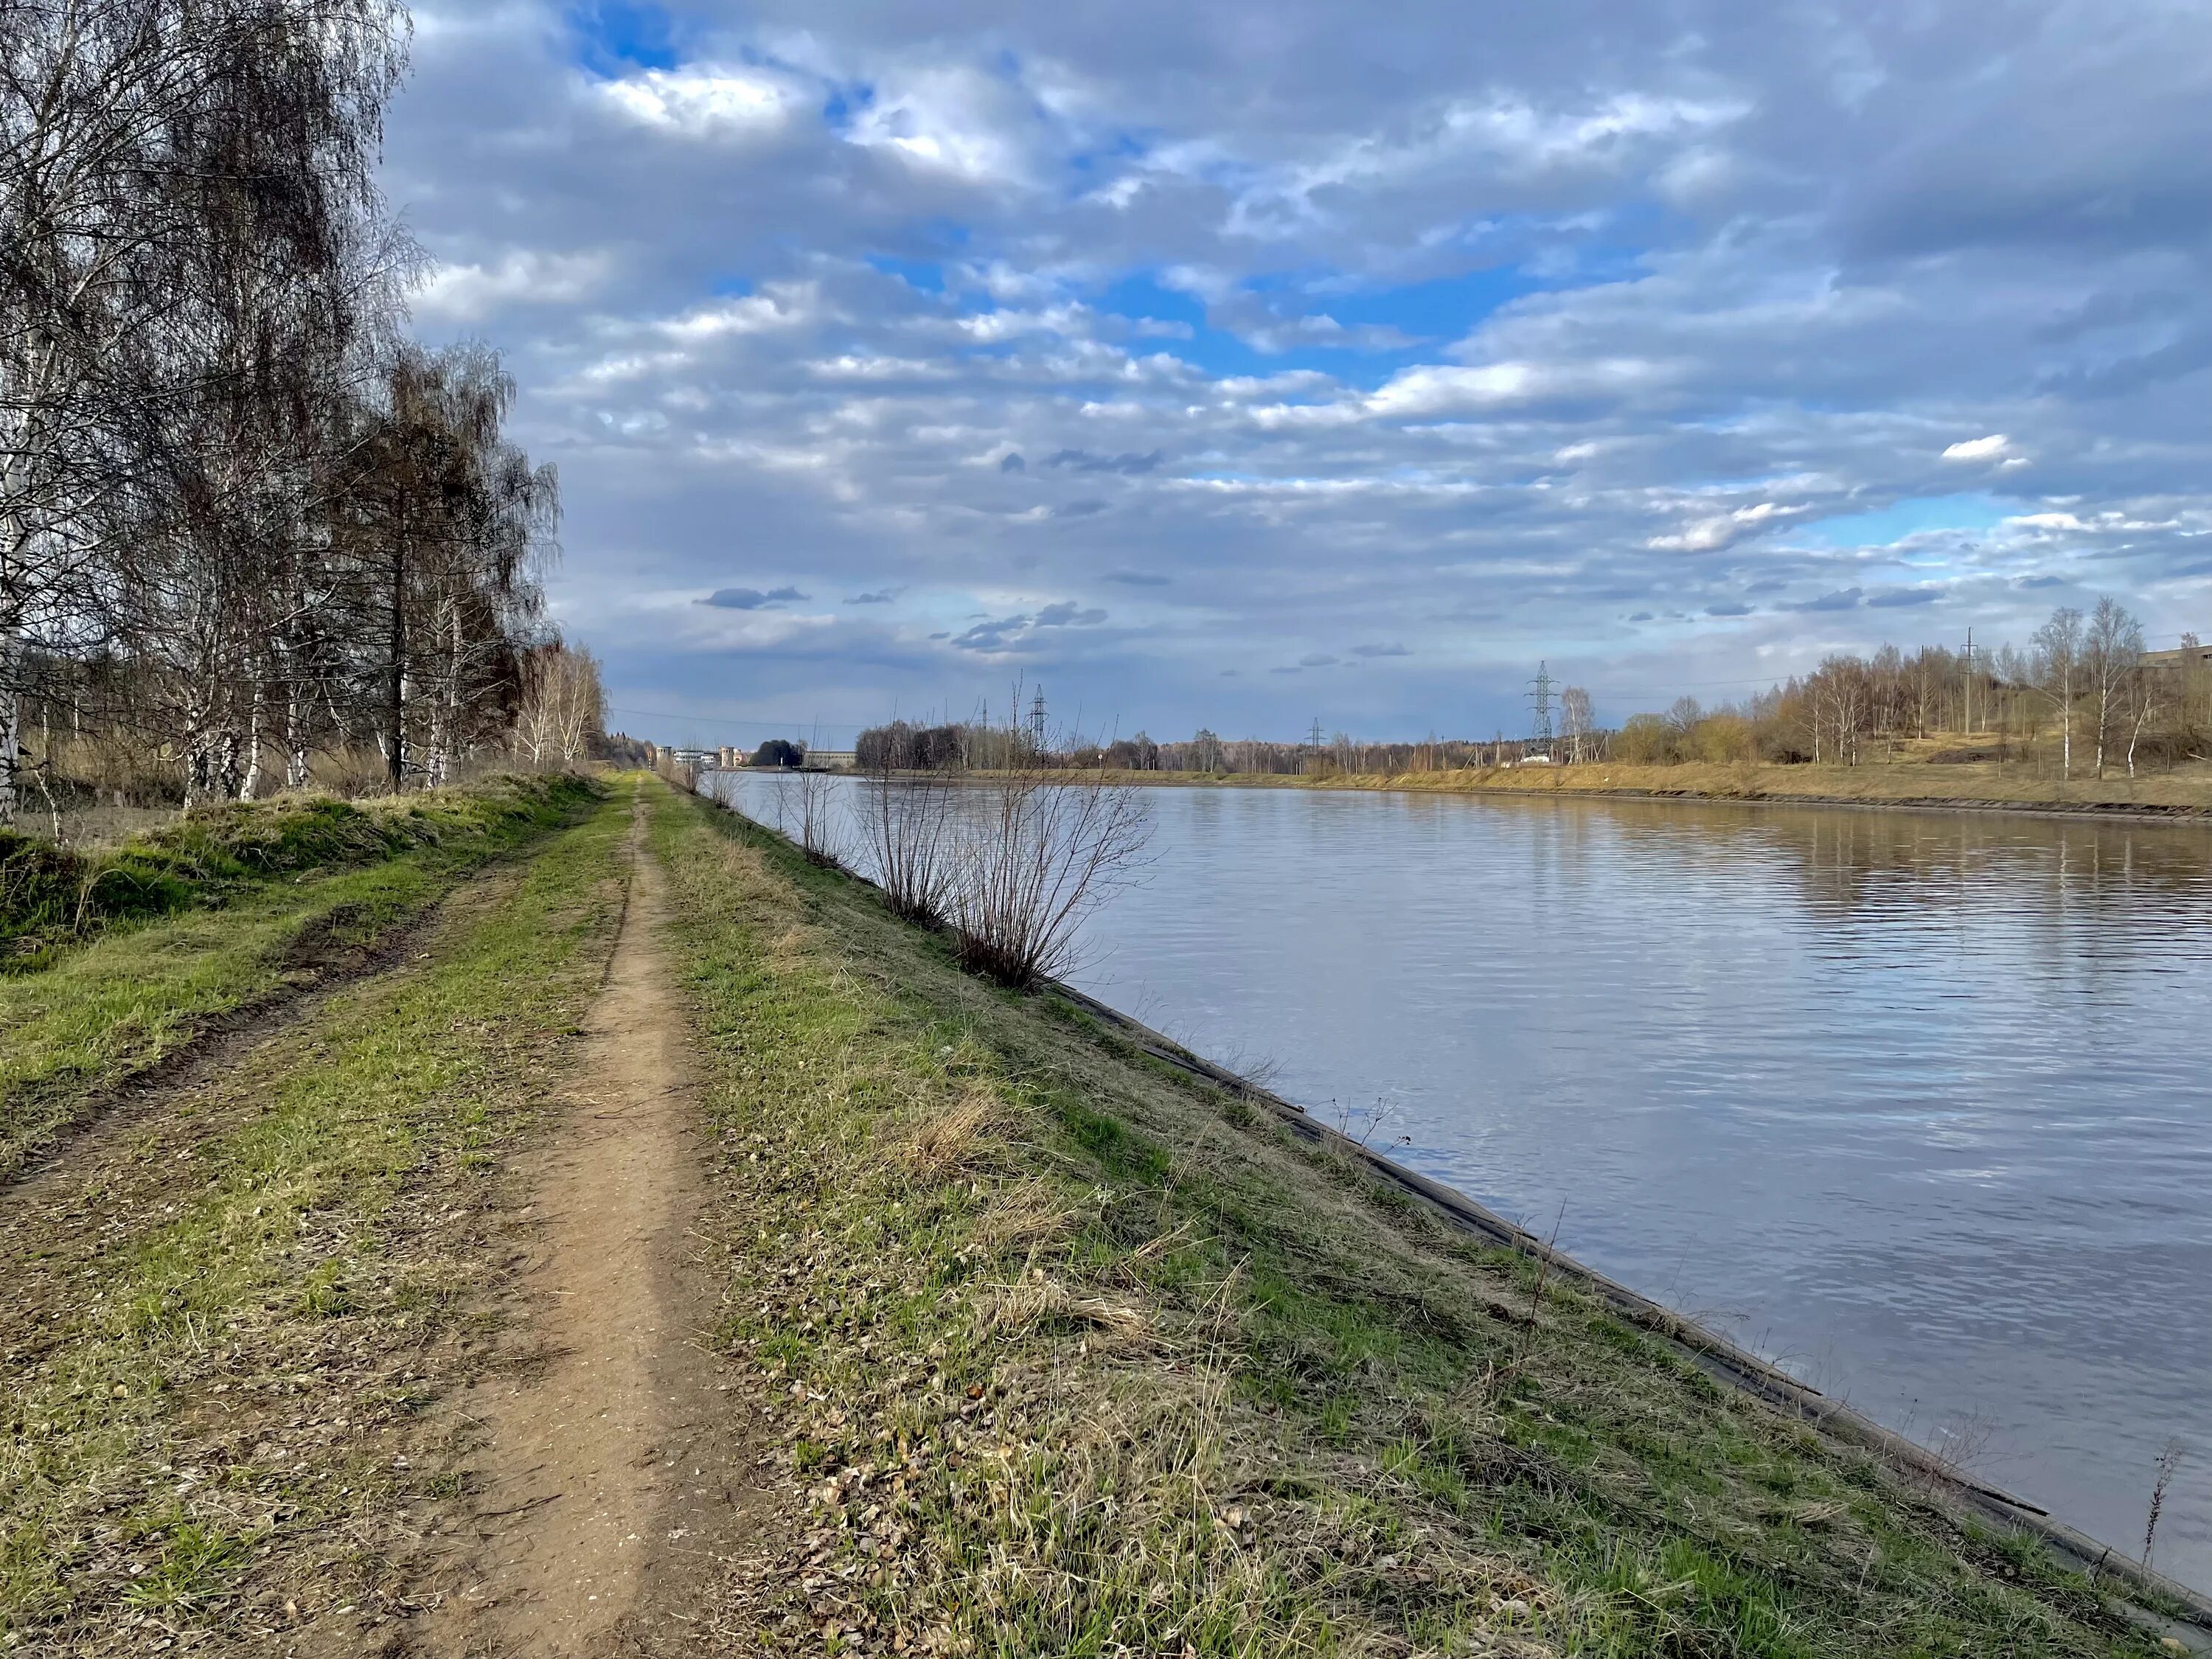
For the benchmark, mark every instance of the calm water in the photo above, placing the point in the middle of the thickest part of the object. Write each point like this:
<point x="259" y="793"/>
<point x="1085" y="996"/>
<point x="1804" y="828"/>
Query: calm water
<point x="1915" y="1104"/>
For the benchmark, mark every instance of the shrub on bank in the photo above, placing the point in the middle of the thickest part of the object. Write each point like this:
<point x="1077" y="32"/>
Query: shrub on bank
<point x="51" y="894"/>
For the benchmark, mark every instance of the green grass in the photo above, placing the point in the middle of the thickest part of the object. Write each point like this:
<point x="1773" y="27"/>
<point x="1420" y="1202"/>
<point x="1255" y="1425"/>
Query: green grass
<point x="51" y="897"/>
<point x="94" y="1015"/>
<point x="220" y="1409"/>
<point x="1092" y="1359"/>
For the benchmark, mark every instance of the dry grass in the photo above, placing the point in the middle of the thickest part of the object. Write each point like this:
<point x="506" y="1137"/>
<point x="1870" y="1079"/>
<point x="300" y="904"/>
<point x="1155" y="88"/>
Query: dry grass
<point x="1906" y="780"/>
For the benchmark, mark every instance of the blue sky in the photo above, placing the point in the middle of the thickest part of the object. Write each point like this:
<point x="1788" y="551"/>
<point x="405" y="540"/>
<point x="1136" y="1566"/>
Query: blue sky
<point x="1286" y="360"/>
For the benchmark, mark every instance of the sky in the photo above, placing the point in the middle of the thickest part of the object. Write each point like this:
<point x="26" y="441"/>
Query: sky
<point x="1264" y="362"/>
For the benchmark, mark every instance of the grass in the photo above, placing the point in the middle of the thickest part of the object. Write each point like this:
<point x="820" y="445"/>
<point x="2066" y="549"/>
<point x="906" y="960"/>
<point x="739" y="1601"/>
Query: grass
<point x="220" y="1352"/>
<point x="1074" y="1356"/>
<point x="51" y="897"/>
<point x="90" y="1015"/>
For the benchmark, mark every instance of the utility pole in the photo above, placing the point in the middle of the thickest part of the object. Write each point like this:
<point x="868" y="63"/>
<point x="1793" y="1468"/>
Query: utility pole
<point x="1540" y="695"/>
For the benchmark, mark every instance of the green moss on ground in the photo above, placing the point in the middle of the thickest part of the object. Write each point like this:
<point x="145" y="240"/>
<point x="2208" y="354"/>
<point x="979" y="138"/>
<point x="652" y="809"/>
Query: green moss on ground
<point x="1074" y="1357"/>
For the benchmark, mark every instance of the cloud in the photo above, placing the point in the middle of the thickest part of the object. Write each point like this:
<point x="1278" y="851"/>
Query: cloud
<point x="1380" y="651"/>
<point x="1318" y="660"/>
<point x="703" y="102"/>
<point x="1001" y="634"/>
<point x="1082" y="460"/>
<point x="751" y="598"/>
<point x="1543" y="346"/>
<point x="1993" y="447"/>
<point x="1845" y="598"/>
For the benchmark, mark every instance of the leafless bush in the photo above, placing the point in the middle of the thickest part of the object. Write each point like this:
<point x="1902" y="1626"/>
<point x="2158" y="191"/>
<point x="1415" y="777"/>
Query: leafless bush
<point x="909" y="827"/>
<point x="1040" y="852"/>
<point x="814" y="796"/>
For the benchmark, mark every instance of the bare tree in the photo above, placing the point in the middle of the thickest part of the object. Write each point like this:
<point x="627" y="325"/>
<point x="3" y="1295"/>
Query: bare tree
<point x="2112" y="655"/>
<point x="1576" y="720"/>
<point x="2058" y="675"/>
<point x="192" y="241"/>
<point x="564" y="710"/>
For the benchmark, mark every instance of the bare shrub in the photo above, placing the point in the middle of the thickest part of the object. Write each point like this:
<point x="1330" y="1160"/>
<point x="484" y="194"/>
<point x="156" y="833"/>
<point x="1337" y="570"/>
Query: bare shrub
<point x="1041" y="852"/>
<point x="813" y="796"/>
<point x="909" y="826"/>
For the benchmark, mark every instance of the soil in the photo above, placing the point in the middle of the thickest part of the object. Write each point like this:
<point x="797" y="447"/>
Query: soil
<point x="617" y="1467"/>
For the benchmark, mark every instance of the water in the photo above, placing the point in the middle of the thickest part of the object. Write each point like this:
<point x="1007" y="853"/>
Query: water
<point x="1915" y="1104"/>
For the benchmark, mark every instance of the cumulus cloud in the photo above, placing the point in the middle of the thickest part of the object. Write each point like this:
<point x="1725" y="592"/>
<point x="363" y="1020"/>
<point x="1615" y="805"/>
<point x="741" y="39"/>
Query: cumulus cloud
<point x="753" y="599"/>
<point x="1524" y="349"/>
<point x="1993" y="447"/>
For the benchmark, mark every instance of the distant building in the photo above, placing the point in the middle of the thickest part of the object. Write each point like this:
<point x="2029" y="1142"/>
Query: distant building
<point x="2180" y="657"/>
<point x="832" y="760"/>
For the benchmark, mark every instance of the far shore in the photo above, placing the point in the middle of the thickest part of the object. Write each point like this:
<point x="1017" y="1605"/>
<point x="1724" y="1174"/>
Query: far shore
<point x="2182" y="796"/>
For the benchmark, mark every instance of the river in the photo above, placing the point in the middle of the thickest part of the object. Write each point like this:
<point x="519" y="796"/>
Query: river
<point x="1914" y="1104"/>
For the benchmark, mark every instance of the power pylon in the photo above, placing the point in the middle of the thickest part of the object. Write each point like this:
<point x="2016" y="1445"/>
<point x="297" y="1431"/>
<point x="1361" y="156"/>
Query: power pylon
<point x="1036" y="721"/>
<point x="1540" y="696"/>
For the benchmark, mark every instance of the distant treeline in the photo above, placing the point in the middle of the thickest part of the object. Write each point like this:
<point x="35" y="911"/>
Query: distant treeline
<point x="2083" y="689"/>
<point x="2083" y="693"/>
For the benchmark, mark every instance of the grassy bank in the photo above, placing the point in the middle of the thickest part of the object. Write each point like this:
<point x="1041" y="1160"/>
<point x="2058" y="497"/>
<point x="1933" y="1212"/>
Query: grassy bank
<point x="231" y="909"/>
<point x="224" y="1334"/>
<point x="2186" y="793"/>
<point x="1074" y="1353"/>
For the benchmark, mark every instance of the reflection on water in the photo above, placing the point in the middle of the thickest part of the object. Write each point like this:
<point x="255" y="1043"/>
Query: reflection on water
<point x="1912" y="1102"/>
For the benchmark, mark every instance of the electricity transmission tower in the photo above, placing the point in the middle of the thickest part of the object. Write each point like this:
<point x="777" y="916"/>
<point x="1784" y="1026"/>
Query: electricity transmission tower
<point x="1540" y="696"/>
<point x="1036" y="721"/>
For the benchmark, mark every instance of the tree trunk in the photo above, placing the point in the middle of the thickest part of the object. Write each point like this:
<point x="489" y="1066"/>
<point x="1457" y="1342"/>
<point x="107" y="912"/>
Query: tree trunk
<point x="11" y="726"/>
<point x="295" y="730"/>
<point x="251" y="788"/>
<point x="395" y="690"/>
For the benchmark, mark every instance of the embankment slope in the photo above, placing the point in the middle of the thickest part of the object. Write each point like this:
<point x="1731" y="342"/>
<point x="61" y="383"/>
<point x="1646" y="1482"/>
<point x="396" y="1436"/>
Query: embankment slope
<point x="1076" y="1351"/>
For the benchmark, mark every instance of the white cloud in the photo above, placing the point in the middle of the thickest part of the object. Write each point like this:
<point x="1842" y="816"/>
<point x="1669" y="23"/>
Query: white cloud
<point x="1979" y="449"/>
<point x="465" y="293"/>
<point x="702" y="101"/>
<point x="949" y="118"/>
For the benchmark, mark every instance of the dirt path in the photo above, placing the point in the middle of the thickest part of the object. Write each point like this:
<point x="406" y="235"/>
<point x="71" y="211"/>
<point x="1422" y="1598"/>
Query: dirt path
<point x="617" y="1470"/>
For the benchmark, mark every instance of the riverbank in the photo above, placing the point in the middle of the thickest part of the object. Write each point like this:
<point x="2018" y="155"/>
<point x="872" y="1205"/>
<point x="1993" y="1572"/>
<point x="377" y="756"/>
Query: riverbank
<point x="1906" y="785"/>
<point x="665" y="1180"/>
<point x="1079" y="1347"/>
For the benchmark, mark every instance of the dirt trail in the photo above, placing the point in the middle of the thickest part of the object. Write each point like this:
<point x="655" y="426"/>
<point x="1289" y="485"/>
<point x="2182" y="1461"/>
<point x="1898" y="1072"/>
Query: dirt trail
<point x="617" y="1470"/>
